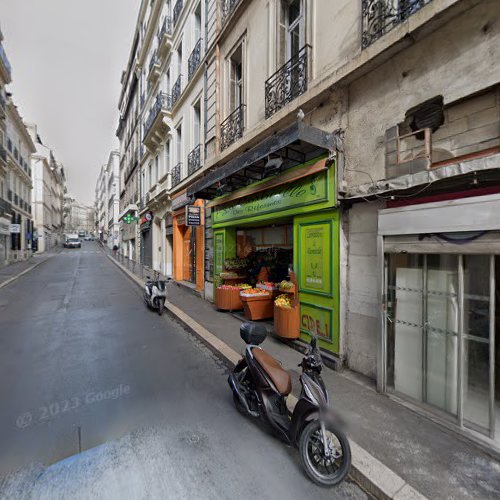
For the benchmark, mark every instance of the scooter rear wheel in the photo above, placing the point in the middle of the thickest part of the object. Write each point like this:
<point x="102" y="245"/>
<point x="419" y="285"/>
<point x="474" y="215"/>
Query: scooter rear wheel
<point x="323" y="470"/>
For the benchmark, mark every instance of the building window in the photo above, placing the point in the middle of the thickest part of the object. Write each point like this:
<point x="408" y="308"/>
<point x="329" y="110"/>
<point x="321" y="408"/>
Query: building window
<point x="179" y="143"/>
<point x="167" y="156"/>
<point x="236" y="79"/>
<point x="196" y="123"/>
<point x="291" y="29"/>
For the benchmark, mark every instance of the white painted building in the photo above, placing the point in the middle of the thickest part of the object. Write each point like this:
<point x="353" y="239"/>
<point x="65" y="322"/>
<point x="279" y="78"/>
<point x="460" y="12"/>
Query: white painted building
<point x="49" y="188"/>
<point x="78" y="217"/>
<point x="113" y="198"/>
<point x="107" y="201"/>
<point x="20" y="147"/>
<point x="5" y="206"/>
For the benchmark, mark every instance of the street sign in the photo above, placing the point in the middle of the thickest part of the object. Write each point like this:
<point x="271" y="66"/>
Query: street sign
<point x="15" y="228"/>
<point x="193" y="216"/>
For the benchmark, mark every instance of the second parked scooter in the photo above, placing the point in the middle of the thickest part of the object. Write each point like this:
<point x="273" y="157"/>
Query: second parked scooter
<point x="155" y="293"/>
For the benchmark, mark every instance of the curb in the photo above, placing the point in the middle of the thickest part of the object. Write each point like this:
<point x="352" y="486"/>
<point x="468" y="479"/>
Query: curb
<point x="371" y="474"/>
<point x="22" y="273"/>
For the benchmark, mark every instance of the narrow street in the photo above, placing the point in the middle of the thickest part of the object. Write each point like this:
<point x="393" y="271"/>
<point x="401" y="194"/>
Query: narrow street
<point x="83" y="363"/>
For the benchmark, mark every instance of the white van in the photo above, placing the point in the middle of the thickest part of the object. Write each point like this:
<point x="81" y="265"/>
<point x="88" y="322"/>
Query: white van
<point x="72" y="241"/>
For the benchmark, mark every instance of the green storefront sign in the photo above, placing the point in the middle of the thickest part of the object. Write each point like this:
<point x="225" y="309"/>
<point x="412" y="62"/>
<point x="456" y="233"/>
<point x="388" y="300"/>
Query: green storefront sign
<point x="311" y="190"/>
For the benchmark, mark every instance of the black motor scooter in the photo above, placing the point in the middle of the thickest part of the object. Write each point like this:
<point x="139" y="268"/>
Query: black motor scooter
<point x="260" y="387"/>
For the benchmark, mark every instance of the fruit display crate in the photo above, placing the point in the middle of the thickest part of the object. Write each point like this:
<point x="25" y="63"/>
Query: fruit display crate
<point x="228" y="299"/>
<point x="287" y="322"/>
<point x="258" y="306"/>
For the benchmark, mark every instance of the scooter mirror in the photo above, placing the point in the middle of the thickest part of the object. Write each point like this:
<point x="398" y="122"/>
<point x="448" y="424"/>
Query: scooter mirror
<point x="314" y="341"/>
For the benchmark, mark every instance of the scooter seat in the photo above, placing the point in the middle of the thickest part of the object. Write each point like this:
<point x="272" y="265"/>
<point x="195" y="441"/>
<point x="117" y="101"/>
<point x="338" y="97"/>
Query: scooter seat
<point x="280" y="377"/>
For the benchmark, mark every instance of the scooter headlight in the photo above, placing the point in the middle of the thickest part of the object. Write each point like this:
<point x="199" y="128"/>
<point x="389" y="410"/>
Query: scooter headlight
<point x="314" y="392"/>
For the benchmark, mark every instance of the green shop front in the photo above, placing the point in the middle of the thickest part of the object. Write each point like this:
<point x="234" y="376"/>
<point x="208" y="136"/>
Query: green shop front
<point x="285" y="223"/>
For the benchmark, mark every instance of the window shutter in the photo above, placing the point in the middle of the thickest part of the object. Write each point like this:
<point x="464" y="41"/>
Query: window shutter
<point x="281" y="56"/>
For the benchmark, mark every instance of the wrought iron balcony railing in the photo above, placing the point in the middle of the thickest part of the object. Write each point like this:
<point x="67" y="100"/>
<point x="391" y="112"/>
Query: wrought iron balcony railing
<point x="227" y="7"/>
<point x="5" y="60"/>
<point x="166" y="28"/>
<point x="176" y="90"/>
<point x="194" y="160"/>
<point x="231" y="129"/>
<point x="381" y="16"/>
<point x="288" y="82"/>
<point x="177" y="10"/>
<point x="162" y="102"/>
<point x="194" y="59"/>
<point x="5" y="206"/>
<point x="176" y="174"/>
<point x="153" y="61"/>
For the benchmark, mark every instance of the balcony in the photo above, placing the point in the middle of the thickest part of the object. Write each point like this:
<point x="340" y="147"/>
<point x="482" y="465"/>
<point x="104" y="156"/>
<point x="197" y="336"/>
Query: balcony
<point x="194" y="59"/>
<point x="231" y="129"/>
<point x="5" y="207"/>
<point x="165" y="37"/>
<point x="381" y="16"/>
<point x="194" y="160"/>
<point x="288" y="82"/>
<point x="5" y="67"/>
<point x="177" y="10"/>
<point x="3" y="154"/>
<point x="176" y="175"/>
<point x="176" y="90"/>
<point x="154" y="68"/>
<point x="157" y="124"/>
<point x="227" y="8"/>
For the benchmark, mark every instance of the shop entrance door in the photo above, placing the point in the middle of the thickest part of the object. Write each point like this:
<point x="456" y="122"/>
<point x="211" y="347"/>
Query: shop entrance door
<point x="316" y="264"/>
<point x="442" y="334"/>
<point x="186" y="260"/>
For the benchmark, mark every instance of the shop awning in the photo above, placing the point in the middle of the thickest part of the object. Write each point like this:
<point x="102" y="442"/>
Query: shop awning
<point x="295" y="145"/>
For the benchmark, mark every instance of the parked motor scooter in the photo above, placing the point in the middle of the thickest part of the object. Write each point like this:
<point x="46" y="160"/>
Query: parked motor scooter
<point x="260" y="387"/>
<point x="155" y="293"/>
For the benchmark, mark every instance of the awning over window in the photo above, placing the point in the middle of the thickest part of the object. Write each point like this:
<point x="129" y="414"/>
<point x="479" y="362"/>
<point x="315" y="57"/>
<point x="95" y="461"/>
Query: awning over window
<point x="295" y="145"/>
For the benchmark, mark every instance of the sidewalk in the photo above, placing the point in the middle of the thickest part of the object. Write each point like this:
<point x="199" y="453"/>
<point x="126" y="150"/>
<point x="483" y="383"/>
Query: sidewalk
<point x="435" y="462"/>
<point x="11" y="272"/>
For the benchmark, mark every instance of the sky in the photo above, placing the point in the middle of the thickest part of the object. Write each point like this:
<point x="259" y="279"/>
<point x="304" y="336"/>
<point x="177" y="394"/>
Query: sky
<point x="67" y="57"/>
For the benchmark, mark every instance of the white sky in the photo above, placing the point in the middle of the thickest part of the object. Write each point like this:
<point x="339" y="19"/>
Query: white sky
<point x="67" y="57"/>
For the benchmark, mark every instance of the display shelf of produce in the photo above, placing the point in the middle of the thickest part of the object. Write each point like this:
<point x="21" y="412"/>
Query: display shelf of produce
<point x="257" y="305"/>
<point x="228" y="299"/>
<point x="230" y="278"/>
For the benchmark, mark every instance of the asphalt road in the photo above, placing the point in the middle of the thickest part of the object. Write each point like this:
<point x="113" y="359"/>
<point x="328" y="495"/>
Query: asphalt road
<point x="101" y="398"/>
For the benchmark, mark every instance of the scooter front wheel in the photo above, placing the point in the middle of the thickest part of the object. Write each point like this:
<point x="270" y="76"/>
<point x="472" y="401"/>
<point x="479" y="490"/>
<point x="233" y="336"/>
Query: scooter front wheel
<point x="324" y="469"/>
<point x="161" y="306"/>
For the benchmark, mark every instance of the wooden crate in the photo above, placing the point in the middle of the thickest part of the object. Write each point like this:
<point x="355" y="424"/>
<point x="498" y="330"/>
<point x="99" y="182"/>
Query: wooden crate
<point x="228" y="300"/>
<point x="258" y="307"/>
